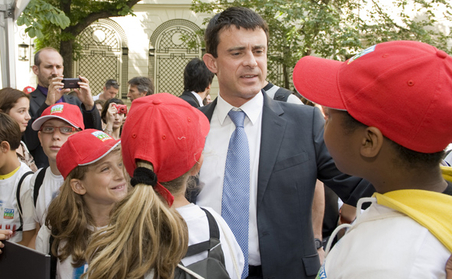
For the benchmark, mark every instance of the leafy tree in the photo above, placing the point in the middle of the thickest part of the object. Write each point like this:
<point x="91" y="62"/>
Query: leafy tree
<point x="57" y="23"/>
<point x="338" y="29"/>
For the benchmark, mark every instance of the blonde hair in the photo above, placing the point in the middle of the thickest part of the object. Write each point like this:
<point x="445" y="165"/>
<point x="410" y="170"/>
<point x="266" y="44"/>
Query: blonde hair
<point x="144" y="235"/>
<point x="68" y="218"/>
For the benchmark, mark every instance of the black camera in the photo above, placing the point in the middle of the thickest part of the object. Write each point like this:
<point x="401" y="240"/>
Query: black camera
<point x="71" y="82"/>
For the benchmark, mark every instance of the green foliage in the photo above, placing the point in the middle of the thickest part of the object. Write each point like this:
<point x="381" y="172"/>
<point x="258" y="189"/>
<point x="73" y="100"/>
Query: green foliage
<point x="38" y="15"/>
<point x="56" y="21"/>
<point x="338" y="29"/>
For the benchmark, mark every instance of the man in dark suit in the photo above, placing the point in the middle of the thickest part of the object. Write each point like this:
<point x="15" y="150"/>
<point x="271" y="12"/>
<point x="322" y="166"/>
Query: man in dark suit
<point x="48" y="67"/>
<point x="286" y="152"/>
<point x="197" y="81"/>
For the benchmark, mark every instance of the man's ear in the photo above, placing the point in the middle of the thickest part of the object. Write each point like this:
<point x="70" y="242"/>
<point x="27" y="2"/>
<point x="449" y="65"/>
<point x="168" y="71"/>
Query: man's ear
<point x="371" y="142"/>
<point x="211" y="62"/>
<point x="77" y="186"/>
<point x="35" y="69"/>
<point x="5" y="147"/>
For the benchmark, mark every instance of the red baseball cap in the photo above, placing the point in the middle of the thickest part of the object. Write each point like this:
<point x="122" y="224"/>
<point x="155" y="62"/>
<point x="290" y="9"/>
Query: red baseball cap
<point x="84" y="148"/>
<point x="165" y="131"/>
<point x="64" y="111"/>
<point x="28" y="89"/>
<point x="404" y="88"/>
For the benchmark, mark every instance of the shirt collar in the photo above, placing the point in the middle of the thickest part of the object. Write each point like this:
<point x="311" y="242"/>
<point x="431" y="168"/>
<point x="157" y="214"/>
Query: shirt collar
<point x="197" y="98"/>
<point x="252" y="108"/>
<point x="45" y="90"/>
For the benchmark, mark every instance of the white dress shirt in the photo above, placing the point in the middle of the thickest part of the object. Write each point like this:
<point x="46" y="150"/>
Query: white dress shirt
<point x="215" y="152"/>
<point x="198" y="98"/>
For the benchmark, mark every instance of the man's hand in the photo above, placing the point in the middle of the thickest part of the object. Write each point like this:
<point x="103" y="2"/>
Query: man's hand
<point x="84" y="93"/>
<point x="4" y="235"/>
<point x="56" y="90"/>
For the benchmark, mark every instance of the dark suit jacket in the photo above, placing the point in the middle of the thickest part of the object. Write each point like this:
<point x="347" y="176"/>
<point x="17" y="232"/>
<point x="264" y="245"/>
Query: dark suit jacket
<point x="188" y="96"/>
<point x="292" y="156"/>
<point x="91" y="119"/>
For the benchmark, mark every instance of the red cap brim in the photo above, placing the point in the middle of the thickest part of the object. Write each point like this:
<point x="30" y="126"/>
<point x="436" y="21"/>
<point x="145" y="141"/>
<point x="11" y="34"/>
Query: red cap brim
<point x="316" y="80"/>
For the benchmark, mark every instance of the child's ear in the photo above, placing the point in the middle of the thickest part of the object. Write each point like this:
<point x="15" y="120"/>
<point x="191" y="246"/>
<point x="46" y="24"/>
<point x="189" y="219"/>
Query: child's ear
<point x="77" y="186"/>
<point x="197" y="167"/>
<point x="5" y="147"/>
<point x="371" y="142"/>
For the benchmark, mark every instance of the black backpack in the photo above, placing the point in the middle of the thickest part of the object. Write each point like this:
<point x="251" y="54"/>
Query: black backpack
<point x="38" y="183"/>
<point x="210" y="267"/>
<point x="282" y="94"/>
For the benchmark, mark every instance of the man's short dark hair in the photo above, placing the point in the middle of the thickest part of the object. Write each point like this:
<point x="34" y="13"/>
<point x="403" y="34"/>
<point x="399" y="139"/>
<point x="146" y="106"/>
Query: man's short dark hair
<point x="143" y="84"/>
<point x="112" y="83"/>
<point x="406" y="157"/>
<point x="240" y="17"/>
<point x="9" y="131"/>
<point x="197" y="77"/>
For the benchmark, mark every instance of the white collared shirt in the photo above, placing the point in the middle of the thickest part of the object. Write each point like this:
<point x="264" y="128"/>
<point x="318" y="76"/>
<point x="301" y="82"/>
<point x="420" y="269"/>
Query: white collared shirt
<point x="198" y="98"/>
<point x="215" y="151"/>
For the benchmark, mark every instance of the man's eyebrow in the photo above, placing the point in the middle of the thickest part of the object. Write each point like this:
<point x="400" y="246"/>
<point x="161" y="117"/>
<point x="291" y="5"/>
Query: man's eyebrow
<point x="239" y="48"/>
<point x="259" y="47"/>
<point x="232" y="49"/>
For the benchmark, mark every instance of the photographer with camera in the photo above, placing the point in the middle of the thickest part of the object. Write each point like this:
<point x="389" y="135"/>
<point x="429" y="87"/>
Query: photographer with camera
<point x="114" y="114"/>
<point x="51" y="89"/>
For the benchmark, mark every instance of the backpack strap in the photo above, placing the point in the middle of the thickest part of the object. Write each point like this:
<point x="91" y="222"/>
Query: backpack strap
<point x="206" y="245"/>
<point x="282" y="94"/>
<point x="19" y="186"/>
<point x="38" y="183"/>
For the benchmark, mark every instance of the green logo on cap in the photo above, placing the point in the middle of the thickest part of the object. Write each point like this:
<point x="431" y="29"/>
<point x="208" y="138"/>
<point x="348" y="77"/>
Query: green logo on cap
<point x="362" y="53"/>
<point x="56" y="109"/>
<point x="101" y="135"/>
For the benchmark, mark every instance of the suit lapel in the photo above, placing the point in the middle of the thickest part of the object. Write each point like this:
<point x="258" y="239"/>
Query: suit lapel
<point x="193" y="97"/>
<point x="273" y="128"/>
<point x="38" y="98"/>
<point x="208" y="110"/>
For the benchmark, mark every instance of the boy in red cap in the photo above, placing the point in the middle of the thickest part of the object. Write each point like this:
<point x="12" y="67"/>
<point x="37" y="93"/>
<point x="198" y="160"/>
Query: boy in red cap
<point x="55" y="125"/>
<point x="91" y="165"/>
<point x="389" y="118"/>
<point x="162" y="142"/>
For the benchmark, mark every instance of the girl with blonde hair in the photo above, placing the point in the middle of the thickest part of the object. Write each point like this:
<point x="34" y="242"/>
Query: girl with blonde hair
<point x="162" y="142"/>
<point x="91" y="164"/>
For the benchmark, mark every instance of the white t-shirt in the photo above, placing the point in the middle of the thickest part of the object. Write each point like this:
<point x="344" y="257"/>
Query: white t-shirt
<point x="65" y="270"/>
<point x="9" y="218"/>
<point x="384" y="243"/>
<point x="49" y="189"/>
<point x="198" y="231"/>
